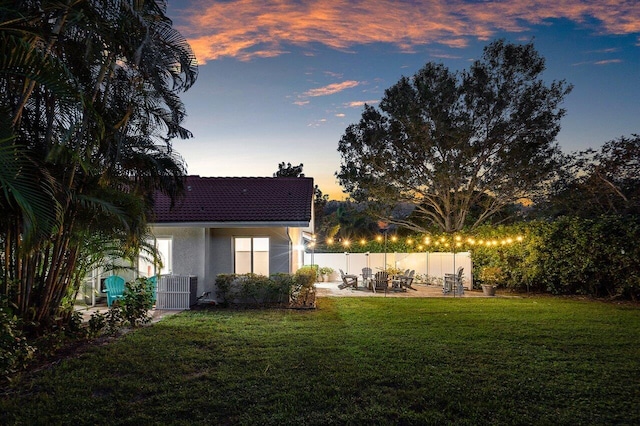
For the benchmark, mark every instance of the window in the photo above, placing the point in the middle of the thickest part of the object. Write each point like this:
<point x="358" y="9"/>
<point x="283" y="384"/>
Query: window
<point x="163" y="246"/>
<point x="252" y="255"/>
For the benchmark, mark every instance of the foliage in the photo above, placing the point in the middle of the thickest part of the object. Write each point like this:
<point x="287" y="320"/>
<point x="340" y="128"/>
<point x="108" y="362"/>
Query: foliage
<point x="449" y="142"/>
<point x="136" y="301"/>
<point x="15" y="351"/>
<point x="326" y="270"/>
<point x="131" y="309"/>
<point x="253" y="289"/>
<point x="596" y="183"/>
<point x="96" y="324"/>
<point x="258" y="290"/>
<point x="533" y="360"/>
<point x="88" y="109"/>
<point x="491" y="275"/>
<point x="596" y="257"/>
<point x="345" y="220"/>
<point x="287" y="170"/>
<point x="320" y="200"/>
<point x="303" y="291"/>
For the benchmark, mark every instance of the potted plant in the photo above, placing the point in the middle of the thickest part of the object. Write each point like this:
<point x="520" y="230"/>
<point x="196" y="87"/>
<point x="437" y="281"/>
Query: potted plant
<point x="491" y="276"/>
<point x="325" y="271"/>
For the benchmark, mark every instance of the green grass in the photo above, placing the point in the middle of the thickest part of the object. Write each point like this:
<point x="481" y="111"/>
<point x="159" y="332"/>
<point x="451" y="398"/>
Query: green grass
<point x="355" y="361"/>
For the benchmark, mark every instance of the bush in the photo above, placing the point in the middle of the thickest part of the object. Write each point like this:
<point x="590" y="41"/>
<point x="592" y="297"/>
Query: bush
<point x="597" y="257"/>
<point x="313" y="268"/>
<point x="303" y="293"/>
<point x="253" y="289"/>
<point x="136" y="302"/>
<point x="259" y="290"/>
<point x="15" y="352"/>
<point x="491" y="275"/>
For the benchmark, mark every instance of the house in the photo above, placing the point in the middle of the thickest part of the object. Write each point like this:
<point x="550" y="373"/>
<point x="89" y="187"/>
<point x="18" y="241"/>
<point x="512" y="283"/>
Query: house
<point x="228" y="225"/>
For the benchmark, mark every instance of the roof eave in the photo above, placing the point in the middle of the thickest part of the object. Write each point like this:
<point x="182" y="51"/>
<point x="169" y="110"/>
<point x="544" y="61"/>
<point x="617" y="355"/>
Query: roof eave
<point x="243" y="224"/>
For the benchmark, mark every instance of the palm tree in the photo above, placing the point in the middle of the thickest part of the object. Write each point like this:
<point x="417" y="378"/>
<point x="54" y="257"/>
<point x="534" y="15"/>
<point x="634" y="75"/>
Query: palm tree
<point x="100" y="133"/>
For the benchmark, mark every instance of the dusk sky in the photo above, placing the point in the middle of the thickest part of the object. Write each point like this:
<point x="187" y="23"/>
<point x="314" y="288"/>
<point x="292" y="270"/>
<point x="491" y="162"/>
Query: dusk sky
<point x="281" y="80"/>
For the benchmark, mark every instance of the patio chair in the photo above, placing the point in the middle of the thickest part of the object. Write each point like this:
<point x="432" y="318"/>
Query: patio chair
<point x="459" y="288"/>
<point x="367" y="276"/>
<point x="381" y="281"/>
<point x="348" y="280"/>
<point x="453" y="282"/>
<point x="153" y="287"/>
<point x="114" y="287"/>
<point x="406" y="281"/>
<point x="402" y="282"/>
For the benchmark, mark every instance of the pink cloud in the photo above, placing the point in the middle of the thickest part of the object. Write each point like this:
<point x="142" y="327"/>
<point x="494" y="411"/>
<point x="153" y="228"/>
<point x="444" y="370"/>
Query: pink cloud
<point x="358" y="104"/>
<point x="330" y="89"/>
<point x="246" y="29"/>
<point x="608" y="61"/>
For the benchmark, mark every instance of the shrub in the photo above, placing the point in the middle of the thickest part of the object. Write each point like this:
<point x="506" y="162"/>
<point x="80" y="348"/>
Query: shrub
<point x="597" y="256"/>
<point x="259" y="290"/>
<point x="15" y="352"/>
<point x="491" y="275"/>
<point x="97" y="323"/>
<point x="325" y="270"/>
<point x="253" y="289"/>
<point x="303" y="293"/>
<point x="314" y="270"/>
<point x="136" y="302"/>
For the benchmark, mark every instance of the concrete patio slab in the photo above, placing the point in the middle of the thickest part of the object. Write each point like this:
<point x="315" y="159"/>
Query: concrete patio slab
<point x="331" y="289"/>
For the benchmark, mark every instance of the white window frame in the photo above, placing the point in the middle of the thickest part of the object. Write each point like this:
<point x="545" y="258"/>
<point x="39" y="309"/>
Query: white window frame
<point x="253" y="266"/>
<point x="167" y="258"/>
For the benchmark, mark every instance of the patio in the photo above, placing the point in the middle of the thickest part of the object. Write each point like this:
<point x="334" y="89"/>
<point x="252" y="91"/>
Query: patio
<point x="331" y="289"/>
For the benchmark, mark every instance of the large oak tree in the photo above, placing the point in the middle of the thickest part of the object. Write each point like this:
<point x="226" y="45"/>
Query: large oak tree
<point x="452" y="141"/>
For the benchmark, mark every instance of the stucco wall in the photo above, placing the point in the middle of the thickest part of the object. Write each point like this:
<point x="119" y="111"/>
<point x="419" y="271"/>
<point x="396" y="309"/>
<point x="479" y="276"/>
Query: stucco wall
<point x="221" y="245"/>
<point x="188" y="251"/>
<point x="209" y="252"/>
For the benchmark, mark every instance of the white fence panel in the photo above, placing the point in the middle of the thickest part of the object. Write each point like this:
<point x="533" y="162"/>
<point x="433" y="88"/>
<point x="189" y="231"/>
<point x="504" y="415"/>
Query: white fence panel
<point x="176" y="292"/>
<point x="432" y="264"/>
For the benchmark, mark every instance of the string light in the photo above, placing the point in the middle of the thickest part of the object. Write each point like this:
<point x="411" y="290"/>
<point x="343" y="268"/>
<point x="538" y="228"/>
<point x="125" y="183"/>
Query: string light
<point x="422" y="243"/>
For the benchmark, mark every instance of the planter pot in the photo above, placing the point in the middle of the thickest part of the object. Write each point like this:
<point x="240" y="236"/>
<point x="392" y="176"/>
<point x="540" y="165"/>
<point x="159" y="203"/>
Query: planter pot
<point x="489" y="290"/>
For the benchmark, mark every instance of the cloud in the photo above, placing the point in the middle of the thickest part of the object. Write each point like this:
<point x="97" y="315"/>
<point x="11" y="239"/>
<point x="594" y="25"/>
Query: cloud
<point x="317" y="123"/>
<point x="330" y="89"/>
<point x="608" y="61"/>
<point x="341" y="115"/>
<point x="301" y="103"/>
<point x="246" y="29"/>
<point x="358" y="104"/>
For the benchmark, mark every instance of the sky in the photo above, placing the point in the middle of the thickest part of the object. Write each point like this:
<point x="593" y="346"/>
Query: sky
<point x="280" y="81"/>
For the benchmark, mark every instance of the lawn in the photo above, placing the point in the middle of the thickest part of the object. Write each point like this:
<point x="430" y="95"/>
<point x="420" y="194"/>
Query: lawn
<point x="537" y="360"/>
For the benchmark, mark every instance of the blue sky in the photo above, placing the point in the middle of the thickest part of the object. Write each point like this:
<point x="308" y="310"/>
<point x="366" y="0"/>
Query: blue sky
<point x="281" y="80"/>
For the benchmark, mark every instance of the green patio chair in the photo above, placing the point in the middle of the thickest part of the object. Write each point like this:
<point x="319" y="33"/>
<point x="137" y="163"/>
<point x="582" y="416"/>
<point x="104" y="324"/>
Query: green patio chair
<point x="153" y="287"/>
<point x="114" y="286"/>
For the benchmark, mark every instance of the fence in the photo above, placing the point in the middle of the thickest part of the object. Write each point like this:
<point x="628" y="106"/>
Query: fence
<point x="176" y="292"/>
<point x="431" y="264"/>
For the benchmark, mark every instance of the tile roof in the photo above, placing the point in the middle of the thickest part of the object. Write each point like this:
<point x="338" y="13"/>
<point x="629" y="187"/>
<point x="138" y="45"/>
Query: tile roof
<point x="238" y="199"/>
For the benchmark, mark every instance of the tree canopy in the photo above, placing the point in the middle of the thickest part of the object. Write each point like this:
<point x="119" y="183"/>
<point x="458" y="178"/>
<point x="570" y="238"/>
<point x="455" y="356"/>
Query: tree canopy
<point x="89" y="105"/>
<point x="452" y="141"/>
<point x="287" y="170"/>
<point x="604" y="182"/>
